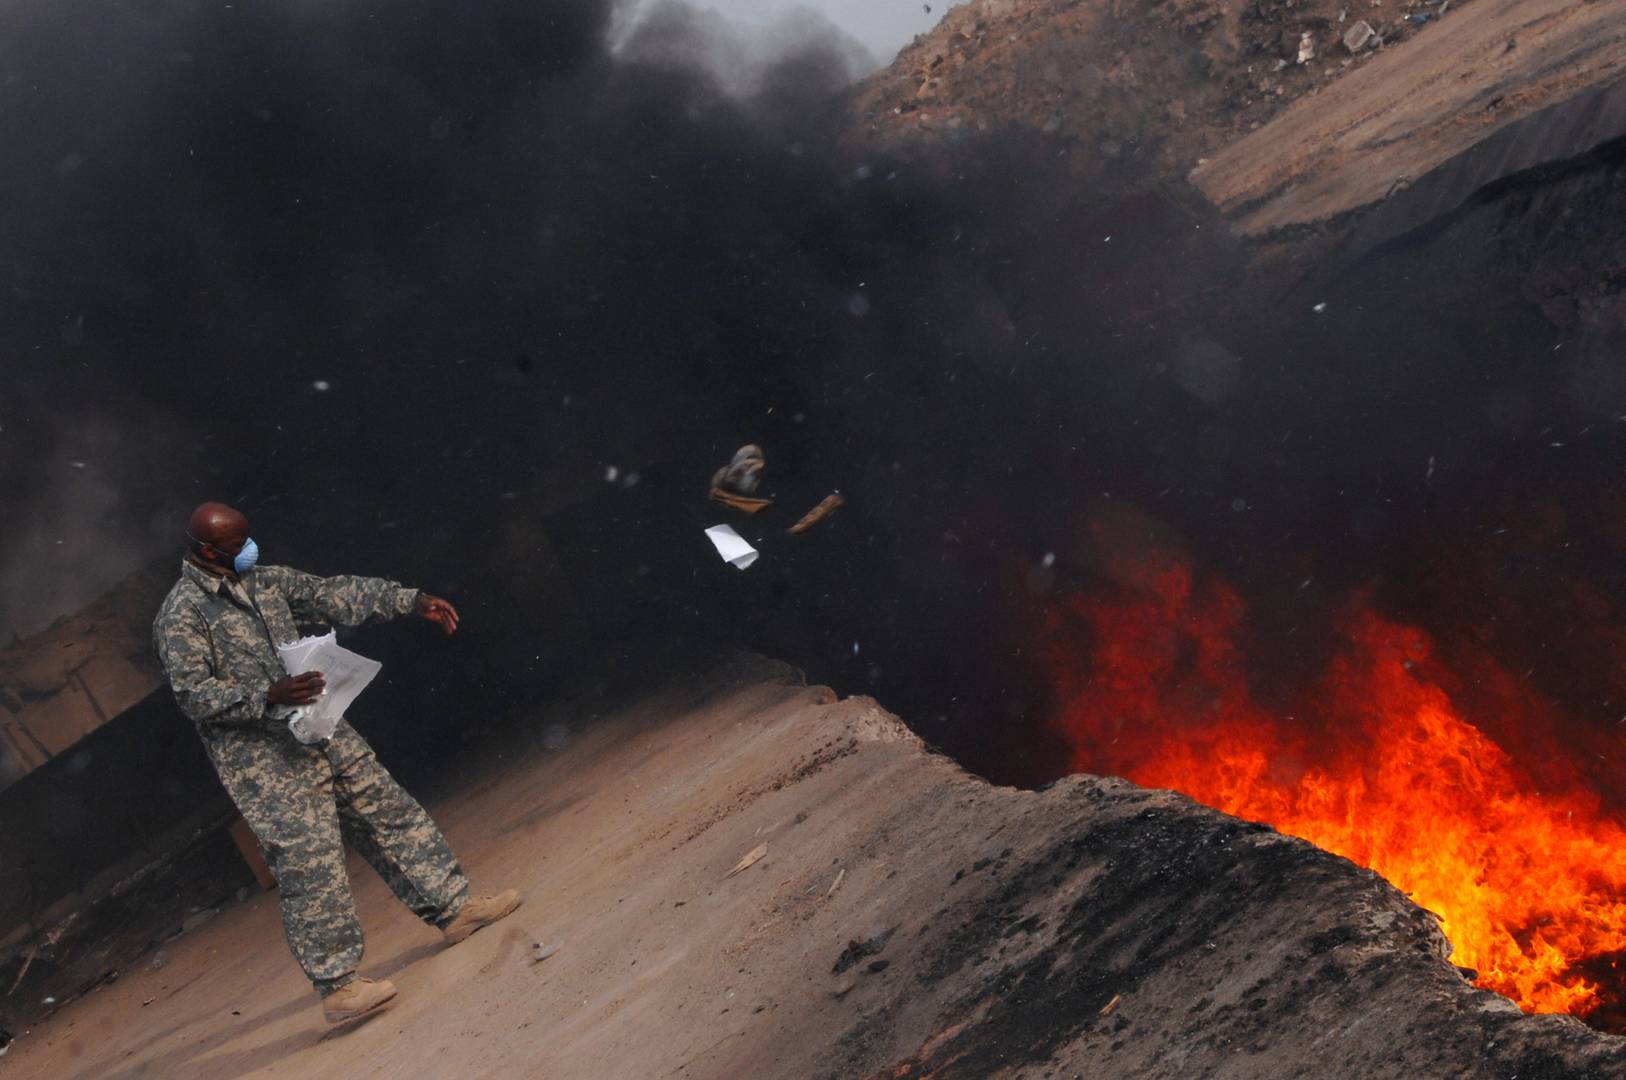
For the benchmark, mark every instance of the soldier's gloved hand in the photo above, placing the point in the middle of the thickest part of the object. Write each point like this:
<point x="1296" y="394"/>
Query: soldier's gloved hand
<point x="296" y="689"/>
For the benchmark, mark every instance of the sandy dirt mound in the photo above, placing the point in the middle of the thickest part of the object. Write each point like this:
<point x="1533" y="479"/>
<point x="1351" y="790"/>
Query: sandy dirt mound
<point x="904" y="919"/>
<point x="1413" y="108"/>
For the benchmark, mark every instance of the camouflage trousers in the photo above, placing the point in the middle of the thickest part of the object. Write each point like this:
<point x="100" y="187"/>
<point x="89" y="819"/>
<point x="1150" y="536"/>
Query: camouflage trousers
<point x="304" y="804"/>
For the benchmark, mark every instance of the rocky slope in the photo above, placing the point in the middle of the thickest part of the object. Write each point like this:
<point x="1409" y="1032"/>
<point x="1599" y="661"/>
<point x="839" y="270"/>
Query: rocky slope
<point x="1283" y="112"/>
<point x="1140" y="88"/>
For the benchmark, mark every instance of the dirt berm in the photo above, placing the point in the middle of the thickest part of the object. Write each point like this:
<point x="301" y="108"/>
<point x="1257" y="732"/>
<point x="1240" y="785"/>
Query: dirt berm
<point x="1091" y="929"/>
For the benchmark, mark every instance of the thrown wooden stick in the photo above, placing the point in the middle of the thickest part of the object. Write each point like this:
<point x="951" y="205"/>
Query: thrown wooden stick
<point x="829" y="506"/>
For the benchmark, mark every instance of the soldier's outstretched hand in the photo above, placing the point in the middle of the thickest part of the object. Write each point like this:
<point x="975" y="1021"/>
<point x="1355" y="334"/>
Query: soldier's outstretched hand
<point x="438" y="612"/>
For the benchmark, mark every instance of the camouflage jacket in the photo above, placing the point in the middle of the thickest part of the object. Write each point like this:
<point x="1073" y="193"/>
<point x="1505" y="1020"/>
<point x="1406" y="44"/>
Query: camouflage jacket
<point x="216" y="638"/>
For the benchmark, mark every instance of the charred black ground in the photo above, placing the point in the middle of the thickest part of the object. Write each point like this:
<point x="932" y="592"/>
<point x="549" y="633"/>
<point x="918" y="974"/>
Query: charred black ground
<point x="408" y="281"/>
<point x="1058" y="953"/>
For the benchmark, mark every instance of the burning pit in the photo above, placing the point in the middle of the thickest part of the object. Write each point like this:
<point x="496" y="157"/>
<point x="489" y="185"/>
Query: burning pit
<point x="478" y="297"/>
<point x="1385" y="755"/>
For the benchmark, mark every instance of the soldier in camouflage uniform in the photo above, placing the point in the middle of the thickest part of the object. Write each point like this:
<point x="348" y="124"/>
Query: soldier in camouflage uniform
<point x="216" y="637"/>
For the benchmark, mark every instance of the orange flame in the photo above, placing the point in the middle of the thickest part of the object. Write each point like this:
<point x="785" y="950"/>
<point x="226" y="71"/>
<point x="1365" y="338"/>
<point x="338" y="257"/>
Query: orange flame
<point x="1382" y="767"/>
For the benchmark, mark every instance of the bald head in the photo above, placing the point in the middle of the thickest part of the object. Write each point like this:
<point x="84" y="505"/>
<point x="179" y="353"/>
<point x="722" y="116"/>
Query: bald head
<point x="217" y="533"/>
<point x="215" y="522"/>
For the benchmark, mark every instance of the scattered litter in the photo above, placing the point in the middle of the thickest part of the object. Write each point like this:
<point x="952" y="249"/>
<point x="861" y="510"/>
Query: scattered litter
<point x="50" y="1001"/>
<point x="735" y="484"/>
<point x="149" y="1001"/>
<point x="830" y="505"/>
<point x="541" y="951"/>
<point x="1319" y="308"/>
<point x="321" y="386"/>
<point x="743" y="503"/>
<point x="836" y="884"/>
<point x="743" y="474"/>
<point x="611" y="474"/>
<point x="750" y="860"/>
<point x="1113" y="1004"/>
<point x="858" y="950"/>
<point x="1359" y="36"/>
<point x="732" y="546"/>
<point x="1306" y="48"/>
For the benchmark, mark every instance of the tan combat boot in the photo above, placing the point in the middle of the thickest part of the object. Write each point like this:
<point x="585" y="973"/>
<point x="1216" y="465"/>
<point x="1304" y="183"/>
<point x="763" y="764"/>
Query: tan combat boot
<point x="357" y="998"/>
<point x="478" y="912"/>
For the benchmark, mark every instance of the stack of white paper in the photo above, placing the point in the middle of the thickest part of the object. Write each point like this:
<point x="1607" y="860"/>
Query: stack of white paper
<point x="346" y="675"/>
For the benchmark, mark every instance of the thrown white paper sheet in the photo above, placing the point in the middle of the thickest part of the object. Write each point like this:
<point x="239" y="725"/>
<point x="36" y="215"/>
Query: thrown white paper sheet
<point x="732" y="546"/>
<point x="345" y="673"/>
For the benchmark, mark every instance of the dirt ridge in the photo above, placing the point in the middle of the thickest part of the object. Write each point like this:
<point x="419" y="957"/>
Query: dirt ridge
<point x="1091" y="927"/>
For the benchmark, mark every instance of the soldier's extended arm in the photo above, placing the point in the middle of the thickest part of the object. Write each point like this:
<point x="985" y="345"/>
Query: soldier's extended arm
<point x="206" y="699"/>
<point x="344" y="600"/>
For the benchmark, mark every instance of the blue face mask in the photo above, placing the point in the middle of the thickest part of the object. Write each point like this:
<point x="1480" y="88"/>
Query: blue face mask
<point x="244" y="560"/>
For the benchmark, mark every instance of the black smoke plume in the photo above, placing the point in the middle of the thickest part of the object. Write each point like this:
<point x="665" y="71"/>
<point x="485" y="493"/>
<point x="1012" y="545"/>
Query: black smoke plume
<point x="413" y="281"/>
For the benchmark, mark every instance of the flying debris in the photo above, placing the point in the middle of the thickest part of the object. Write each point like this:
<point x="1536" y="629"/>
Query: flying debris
<point x="735" y="484"/>
<point x="732" y="546"/>
<point x="828" y="506"/>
